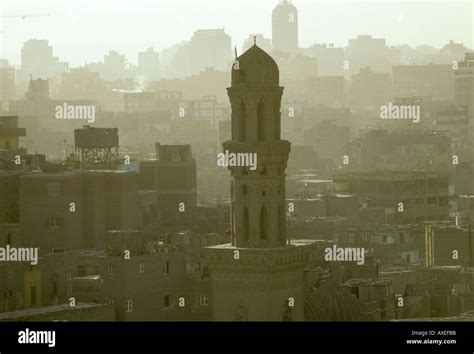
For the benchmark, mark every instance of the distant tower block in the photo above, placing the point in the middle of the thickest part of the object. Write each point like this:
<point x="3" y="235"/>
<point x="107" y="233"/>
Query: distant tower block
<point x="96" y="145"/>
<point x="285" y="27"/>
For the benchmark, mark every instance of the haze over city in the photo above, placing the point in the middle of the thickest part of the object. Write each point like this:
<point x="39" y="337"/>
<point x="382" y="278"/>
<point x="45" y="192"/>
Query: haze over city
<point x="90" y="28"/>
<point x="237" y="161"/>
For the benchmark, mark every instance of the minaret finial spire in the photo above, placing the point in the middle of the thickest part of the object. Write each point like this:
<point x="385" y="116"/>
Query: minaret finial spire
<point x="235" y="49"/>
<point x="254" y="39"/>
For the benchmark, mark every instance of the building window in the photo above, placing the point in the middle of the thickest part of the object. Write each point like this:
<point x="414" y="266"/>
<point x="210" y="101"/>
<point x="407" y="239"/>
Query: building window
<point x="432" y="200"/>
<point x="402" y="237"/>
<point x="351" y="238"/>
<point x="141" y="268"/>
<point x="129" y="306"/>
<point x="443" y="201"/>
<point x="263" y="224"/>
<point x="246" y="228"/>
<point x="111" y="270"/>
<point x="54" y="223"/>
<point x="53" y="189"/>
<point x="55" y="285"/>
<point x="203" y="299"/>
<point x="33" y="296"/>
<point x="69" y="283"/>
<point x="166" y="267"/>
<point x="203" y="242"/>
<point x="167" y="301"/>
<point x="81" y="271"/>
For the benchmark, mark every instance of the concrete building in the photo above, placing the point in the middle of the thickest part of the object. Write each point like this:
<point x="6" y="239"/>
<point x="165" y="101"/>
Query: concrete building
<point x="370" y="89"/>
<point x="207" y="108"/>
<point x="70" y="211"/>
<point x="401" y="149"/>
<point x="329" y="139"/>
<point x="285" y="27"/>
<point x="408" y="197"/>
<point x="325" y="90"/>
<point x="9" y="196"/>
<point x="376" y="294"/>
<point x="7" y="81"/>
<point x="448" y="245"/>
<point x="114" y="67"/>
<point x="45" y="217"/>
<point x="62" y="313"/>
<point x="37" y="60"/>
<point x="38" y="90"/>
<point x="173" y="175"/>
<point x="294" y="69"/>
<point x="464" y="82"/>
<point x="366" y="51"/>
<point x="79" y="84"/>
<point x="209" y="48"/>
<point x="455" y="120"/>
<point x="149" y="64"/>
<point x="435" y="81"/>
<point x="154" y="283"/>
<point x="160" y="100"/>
<point x="10" y="134"/>
<point x="330" y="59"/>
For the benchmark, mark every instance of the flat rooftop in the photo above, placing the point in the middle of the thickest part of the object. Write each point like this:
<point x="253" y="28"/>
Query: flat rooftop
<point x="47" y="310"/>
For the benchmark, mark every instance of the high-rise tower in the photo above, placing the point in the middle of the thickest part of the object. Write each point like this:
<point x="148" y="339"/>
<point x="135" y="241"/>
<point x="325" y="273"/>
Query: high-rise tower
<point x="285" y="27"/>
<point x="259" y="276"/>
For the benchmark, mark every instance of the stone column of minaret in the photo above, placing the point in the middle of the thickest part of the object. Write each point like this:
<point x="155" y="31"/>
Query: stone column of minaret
<point x="258" y="276"/>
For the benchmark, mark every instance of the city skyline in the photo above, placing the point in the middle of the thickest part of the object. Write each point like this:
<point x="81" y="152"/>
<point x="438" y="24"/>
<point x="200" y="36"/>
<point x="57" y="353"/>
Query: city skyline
<point x="271" y="162"/>
<point x="319" y="22"/>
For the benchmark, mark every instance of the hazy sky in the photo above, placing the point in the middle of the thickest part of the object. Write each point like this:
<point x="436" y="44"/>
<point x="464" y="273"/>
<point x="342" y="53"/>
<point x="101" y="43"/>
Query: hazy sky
<point x="84" y="30"/>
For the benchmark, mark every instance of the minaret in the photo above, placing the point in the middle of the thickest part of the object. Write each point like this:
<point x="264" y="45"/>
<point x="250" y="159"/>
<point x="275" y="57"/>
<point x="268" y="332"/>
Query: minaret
<point x="257" y="196"/>
<point x="258" y="276"/>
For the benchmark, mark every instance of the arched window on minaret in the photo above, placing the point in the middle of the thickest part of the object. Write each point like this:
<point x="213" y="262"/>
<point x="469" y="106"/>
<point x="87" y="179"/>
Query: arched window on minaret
<point x="277" y="122"/>
<point x="242" y="125"/>
<point x="263" y="224"/>
<point x="245" y="225"/>
<point x="281" y="234"/>
<point x="261" y="122"/>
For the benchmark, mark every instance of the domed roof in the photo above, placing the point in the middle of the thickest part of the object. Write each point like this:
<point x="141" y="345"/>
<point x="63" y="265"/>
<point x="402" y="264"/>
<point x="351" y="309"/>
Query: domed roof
<point x="255" y="68"/>
<point x="331" y="302"/>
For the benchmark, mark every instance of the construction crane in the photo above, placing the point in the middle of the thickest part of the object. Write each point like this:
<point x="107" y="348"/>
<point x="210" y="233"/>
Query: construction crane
<point x="24" y="17"/>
